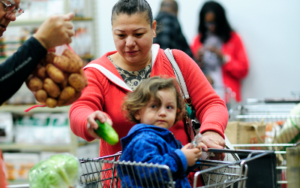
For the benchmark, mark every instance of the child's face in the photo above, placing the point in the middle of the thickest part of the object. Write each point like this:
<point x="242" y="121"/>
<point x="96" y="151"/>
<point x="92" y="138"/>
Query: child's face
<point x="163" y="116"/>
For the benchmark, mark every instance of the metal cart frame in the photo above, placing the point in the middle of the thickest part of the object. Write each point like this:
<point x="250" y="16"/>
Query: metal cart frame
<point x="103" y="172"/>
<point x="223" y="173"/>
<point x="267" y="112"/>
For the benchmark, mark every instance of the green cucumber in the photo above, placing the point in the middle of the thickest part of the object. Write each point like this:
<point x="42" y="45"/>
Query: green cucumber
<point x="107" y="133"/>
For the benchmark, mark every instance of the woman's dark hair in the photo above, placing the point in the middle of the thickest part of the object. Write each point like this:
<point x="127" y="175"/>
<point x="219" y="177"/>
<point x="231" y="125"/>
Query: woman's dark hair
<point x="223" y="28"/>
<point x="130" y="7"/>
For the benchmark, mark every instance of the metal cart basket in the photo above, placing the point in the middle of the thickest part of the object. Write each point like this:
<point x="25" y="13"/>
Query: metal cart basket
<point x="108" y="171"/>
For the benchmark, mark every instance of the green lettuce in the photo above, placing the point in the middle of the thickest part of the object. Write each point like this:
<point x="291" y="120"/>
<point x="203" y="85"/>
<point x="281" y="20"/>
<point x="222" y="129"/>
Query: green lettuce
<point x="59" y="171"/>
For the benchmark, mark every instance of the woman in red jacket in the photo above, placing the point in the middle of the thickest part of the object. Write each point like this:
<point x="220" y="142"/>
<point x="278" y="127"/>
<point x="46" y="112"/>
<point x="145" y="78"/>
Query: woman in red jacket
<point x="219" y="51"/>
<point x="136" y="58"/>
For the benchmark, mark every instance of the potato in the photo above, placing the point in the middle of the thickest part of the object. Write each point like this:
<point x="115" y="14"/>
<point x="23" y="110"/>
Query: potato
<point x="51" y="103"/>
<point x="67" y="93"/>
<point x="69" y="101"/>
<point x="84" y="76"/>
<point x="68" y="61"/>
<point x="41" y="72"/>
<point x="76" y="81"/>
<point x="43" y="62"/>
<point x="49" y="58"/>
<point x="62" y="62"/>
<point x="28" y="79"/>
<point x="65" y="82"/>
<point x="55" y="74"/>
<point x="41" y="95"/>
<point x="61" y="102"/>
<point x="51" y="88"/>
<point x="73" y="56"/>
<point x="34" y="83"/>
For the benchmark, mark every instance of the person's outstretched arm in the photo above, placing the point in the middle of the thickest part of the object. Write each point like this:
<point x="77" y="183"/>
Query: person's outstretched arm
<point x="55" y="31"/>
<point x="16" y="69"/>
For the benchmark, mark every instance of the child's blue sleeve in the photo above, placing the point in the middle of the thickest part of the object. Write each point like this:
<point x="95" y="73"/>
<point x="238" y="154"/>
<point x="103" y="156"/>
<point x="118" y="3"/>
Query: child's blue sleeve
<point x="151" y="151"/>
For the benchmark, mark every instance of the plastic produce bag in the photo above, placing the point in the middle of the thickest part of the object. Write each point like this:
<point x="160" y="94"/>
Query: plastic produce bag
<point x="58" y="79"/>
<point x="59" y="171"/>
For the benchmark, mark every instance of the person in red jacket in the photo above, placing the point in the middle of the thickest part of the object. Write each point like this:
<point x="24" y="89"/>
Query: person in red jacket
<point x="136" y="58"/>
<point x="116" y="73"/>
<point x="219" y="51"/>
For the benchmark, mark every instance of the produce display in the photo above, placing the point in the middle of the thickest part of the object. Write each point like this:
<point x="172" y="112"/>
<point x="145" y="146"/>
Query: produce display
<point x="58" y="79"/>
<point x="107" y="133"/>
<point x="59" y="171"/>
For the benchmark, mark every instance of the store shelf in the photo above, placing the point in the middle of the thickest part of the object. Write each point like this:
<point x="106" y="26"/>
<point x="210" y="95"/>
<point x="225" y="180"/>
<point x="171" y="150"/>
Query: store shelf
<point x="71" y="148"/>
<point x="96" y="141"/>
<point x="17" y="183"/>
<point x="82" y="19"/>
<point x="20" y="109"/>
<point x="28" y="147"/>
<point x="41" y="20"/>
<point x="88" y="56"/>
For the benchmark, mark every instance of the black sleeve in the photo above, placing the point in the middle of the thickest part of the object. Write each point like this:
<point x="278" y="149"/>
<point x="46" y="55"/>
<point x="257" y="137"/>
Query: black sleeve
<point x="166" y="35"/>
<point x="16" y="69"/>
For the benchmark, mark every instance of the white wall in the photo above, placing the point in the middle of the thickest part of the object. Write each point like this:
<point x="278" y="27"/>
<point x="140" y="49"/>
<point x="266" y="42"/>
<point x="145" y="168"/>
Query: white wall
<point x="270" y="31"/>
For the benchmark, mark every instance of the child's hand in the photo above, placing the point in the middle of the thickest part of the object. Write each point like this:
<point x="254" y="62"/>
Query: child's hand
<point x="191" y="154"/>
<point x="201" y="146"/>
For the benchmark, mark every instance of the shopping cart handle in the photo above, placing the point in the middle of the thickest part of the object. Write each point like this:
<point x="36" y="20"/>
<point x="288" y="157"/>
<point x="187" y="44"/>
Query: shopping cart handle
<point x="233" y="151"/>
<point x="282" y="100"/>
<point x="221" y="150"/>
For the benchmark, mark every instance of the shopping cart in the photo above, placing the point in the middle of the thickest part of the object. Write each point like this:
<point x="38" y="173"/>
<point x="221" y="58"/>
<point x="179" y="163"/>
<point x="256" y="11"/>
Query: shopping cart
<point x="270" y="114"/>
<point x="108" y="171"/>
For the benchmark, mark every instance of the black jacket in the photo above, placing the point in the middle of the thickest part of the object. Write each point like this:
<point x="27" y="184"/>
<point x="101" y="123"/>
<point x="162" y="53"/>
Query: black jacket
<point x="16" y="69"/>
<point x="169" y="33"/>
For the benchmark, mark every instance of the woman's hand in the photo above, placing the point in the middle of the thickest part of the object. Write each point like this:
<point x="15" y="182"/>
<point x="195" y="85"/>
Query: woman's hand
<point x="92" y="124"/>
<point x="199" y="57"/>
<point x="217" y="52"/>
<point x="191" y="154"/>
<point x="214" y="140"/>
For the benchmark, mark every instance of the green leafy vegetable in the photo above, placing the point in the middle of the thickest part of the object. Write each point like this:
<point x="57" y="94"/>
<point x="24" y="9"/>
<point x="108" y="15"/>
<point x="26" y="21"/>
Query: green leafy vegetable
<point x="59" y="171"/>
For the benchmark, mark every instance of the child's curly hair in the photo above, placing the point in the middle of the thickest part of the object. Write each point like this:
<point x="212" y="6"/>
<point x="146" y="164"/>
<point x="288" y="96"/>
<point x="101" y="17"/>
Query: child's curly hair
<point x="148" y="88"/>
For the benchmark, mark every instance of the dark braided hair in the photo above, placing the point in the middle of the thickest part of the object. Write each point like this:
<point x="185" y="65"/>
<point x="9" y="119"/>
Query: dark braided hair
<point x="130" y="7"/>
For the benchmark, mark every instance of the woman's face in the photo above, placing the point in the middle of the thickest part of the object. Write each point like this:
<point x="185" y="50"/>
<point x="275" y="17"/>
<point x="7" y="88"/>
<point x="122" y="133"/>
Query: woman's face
<point x="133" y="37"/>
<point x="210" y="21"/>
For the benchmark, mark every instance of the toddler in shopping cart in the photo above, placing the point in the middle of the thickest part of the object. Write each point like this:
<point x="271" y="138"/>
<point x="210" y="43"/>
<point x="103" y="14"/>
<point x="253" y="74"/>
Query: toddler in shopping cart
<point x="156" y="105"/>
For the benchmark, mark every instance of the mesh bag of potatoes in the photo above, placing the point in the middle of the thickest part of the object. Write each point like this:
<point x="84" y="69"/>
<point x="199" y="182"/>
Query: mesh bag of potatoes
<point x="58" y="78"/>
